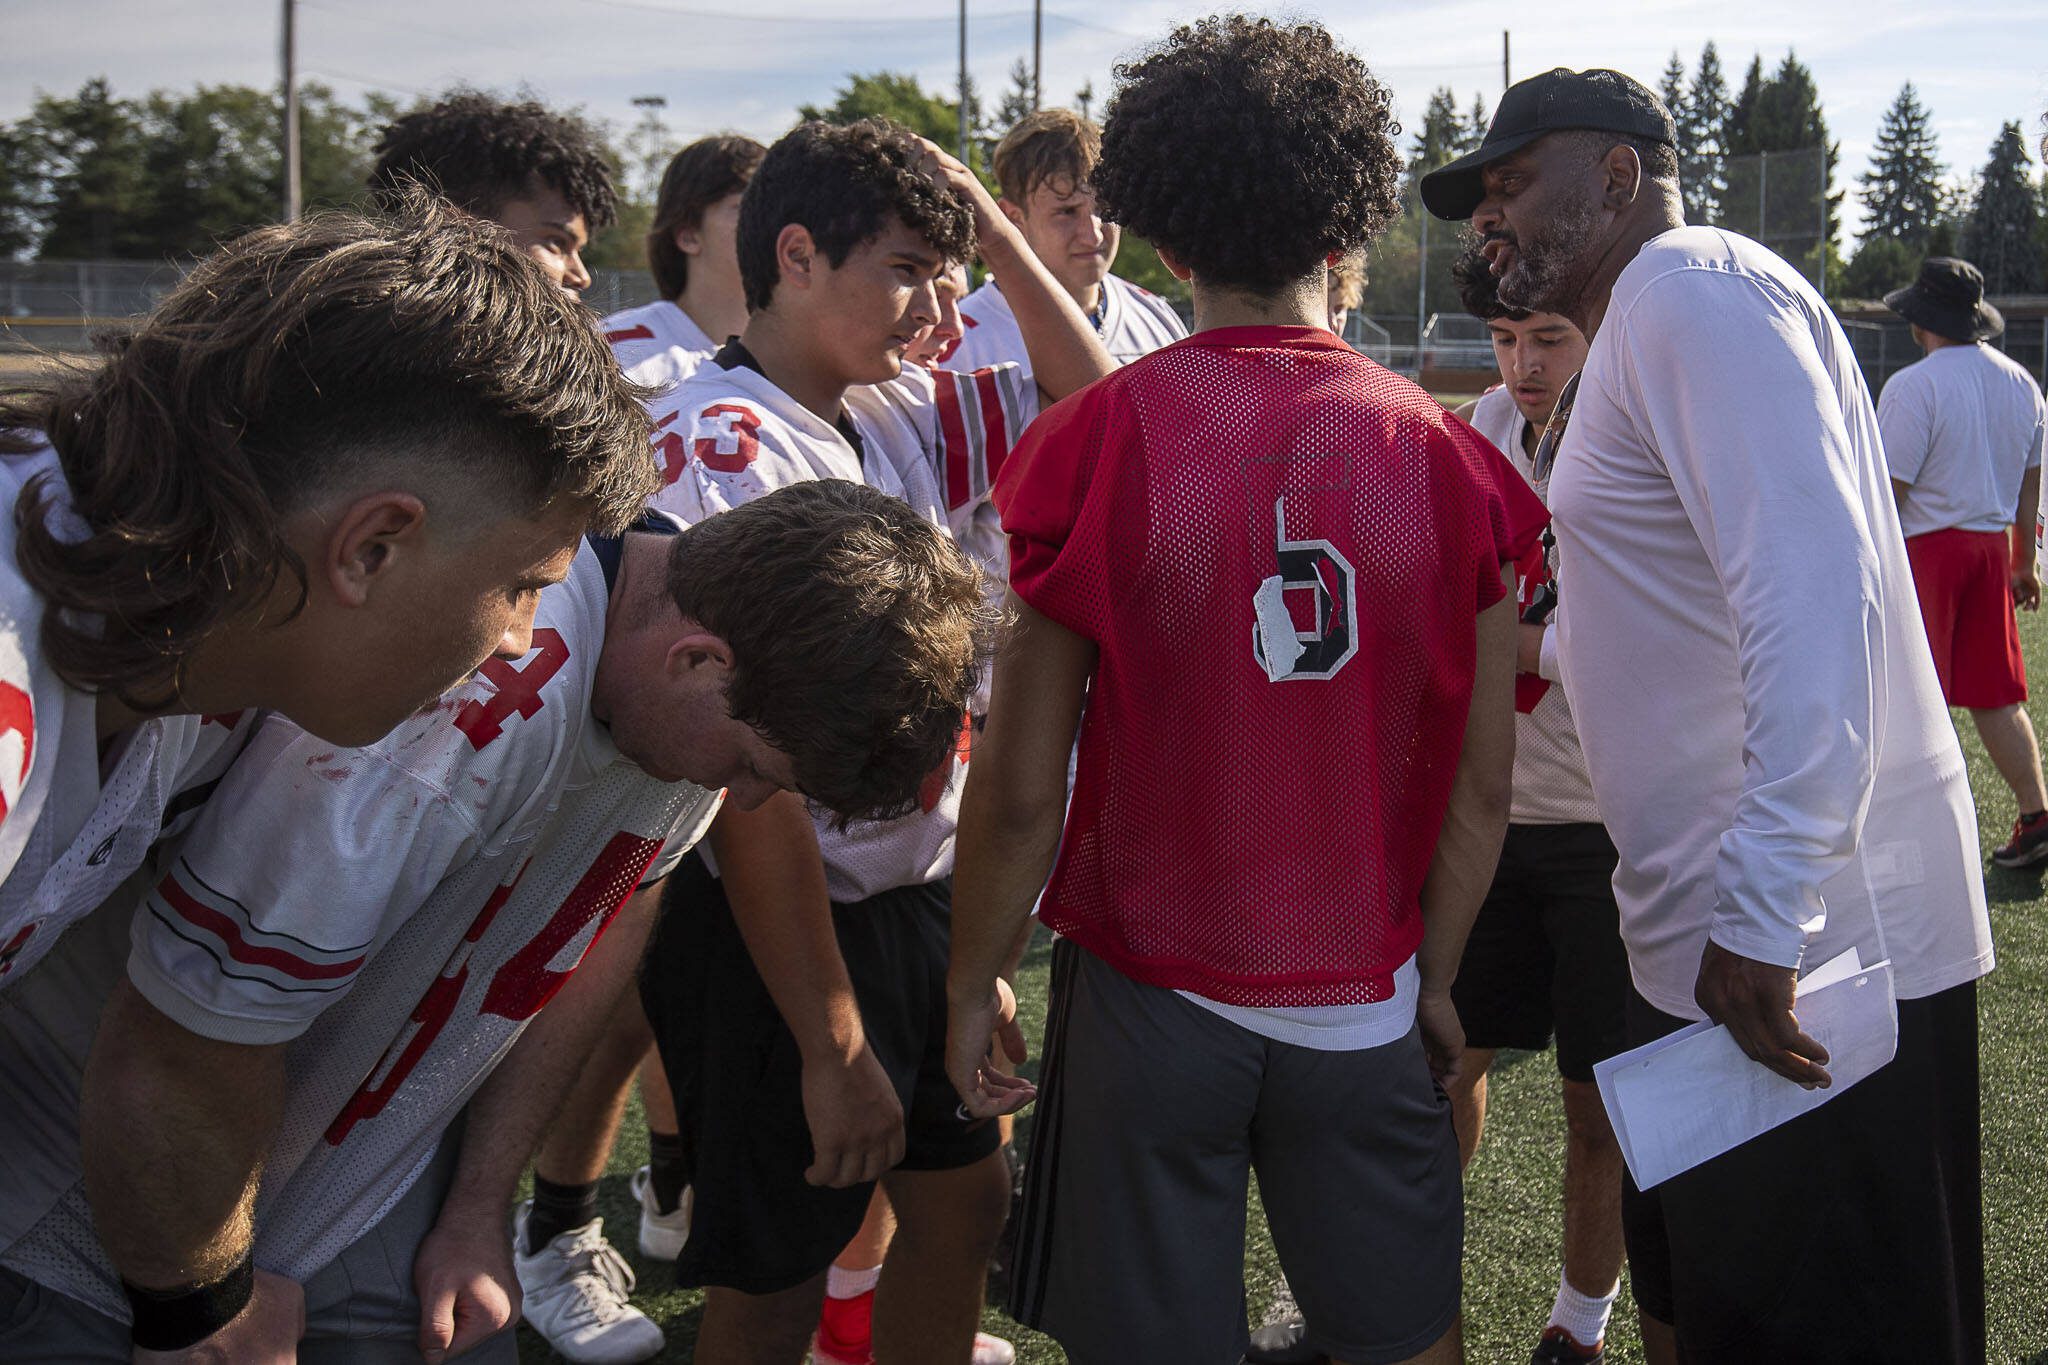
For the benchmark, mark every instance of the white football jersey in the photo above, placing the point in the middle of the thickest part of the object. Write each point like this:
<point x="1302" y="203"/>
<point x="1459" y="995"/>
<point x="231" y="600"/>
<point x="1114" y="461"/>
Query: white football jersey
<point x="74" y="825"/>
<point x="395" y="914"/>
<point x="657" y="344"/>
<point x="936" y="439"/>
<point x="1133" y="322"/>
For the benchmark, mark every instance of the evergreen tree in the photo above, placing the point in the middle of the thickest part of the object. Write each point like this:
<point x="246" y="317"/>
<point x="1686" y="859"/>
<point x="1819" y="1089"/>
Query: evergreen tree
<point x="1441" y="136"/>
<point x="1671" y="87"/>
<point x="1701" y="120"/>
<point x="1475" y="124"/>
<point x="2000" y="233"/>
<point x="92" y="153"/>
<point x="1902" y="194"/>
<point x="1786" y="201"/>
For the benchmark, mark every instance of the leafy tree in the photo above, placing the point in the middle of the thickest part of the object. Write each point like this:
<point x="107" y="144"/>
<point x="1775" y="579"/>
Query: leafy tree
<point x="212" y="167"/>
<point x="20" y="221"/>
<point x="1701" y="118"/>
<point x="91" y="153"/>
<point x="1881" y="264"/>
<point x="1902" y="193"/>
<point x="892" y="95"/>
<point x="2000" y="233"/>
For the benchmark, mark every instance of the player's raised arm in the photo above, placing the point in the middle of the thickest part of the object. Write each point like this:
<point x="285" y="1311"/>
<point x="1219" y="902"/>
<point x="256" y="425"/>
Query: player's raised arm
<point x="1066" y="354"/>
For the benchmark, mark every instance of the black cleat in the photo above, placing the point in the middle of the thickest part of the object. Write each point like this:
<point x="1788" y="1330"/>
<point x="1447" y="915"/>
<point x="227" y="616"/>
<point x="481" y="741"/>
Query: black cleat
<point x="2029" y="842"/>
<point x="1558" y="1348"/>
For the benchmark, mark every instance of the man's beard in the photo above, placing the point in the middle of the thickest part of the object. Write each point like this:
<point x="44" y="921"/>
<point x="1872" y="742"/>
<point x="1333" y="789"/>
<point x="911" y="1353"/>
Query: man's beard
<point x="1547" y="274"/>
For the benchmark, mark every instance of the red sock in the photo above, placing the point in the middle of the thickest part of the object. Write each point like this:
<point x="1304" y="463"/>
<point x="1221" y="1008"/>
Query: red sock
<point x="846" y="1329"/>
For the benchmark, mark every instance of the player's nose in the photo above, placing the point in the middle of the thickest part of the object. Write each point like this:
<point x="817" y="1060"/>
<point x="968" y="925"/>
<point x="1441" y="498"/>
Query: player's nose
<point x="517" y="640"/>
<point x="577" y="276"/>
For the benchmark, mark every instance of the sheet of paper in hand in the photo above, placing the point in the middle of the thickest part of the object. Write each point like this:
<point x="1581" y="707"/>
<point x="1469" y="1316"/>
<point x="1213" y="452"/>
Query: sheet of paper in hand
<point x="1695" y="1094"/>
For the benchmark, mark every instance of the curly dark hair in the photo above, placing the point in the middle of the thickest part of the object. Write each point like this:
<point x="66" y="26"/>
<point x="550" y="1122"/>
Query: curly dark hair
<point x="1478" y="290"/>
<point x="482" y="153"/>
<point x="859" y="633"/>
<point x="1250" y="150"/>
<point x="843" y="183"/>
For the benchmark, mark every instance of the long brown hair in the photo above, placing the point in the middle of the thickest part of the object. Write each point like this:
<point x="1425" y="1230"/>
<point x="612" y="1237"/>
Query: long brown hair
<point x="292" y="361"/>
<point x="700" y="175"/>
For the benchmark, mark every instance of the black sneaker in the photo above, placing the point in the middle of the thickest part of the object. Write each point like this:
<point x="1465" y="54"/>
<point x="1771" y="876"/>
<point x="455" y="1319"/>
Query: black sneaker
<point x="2029" y="842"/>
<point x="1558" y="1348"/>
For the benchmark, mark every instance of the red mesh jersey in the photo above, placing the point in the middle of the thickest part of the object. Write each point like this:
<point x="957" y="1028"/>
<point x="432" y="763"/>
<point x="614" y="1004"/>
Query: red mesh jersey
<point x="1280" y="549"/>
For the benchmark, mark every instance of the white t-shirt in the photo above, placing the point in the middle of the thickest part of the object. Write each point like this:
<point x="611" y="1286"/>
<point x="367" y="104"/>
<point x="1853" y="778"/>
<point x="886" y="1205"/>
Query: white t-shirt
<point x="657" y="344"/>
<point x="1742" y="644"/>
<point x="936" y="439"/>
<point x="74" y="825"/>
<point x="396" y="914"/>
<point x="1551" y="785"/>
<point x="1132" y="321"/>
<point x="1961" y="426"/>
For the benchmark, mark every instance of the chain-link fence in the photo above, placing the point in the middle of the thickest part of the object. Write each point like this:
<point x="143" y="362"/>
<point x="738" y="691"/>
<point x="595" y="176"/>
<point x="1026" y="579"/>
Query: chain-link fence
<point x="1779" y="199"/>
<point x="1884" y="346"/>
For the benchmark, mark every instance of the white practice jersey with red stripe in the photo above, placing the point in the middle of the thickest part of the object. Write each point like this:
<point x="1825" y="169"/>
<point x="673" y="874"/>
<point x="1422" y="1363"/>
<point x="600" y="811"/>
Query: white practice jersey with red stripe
<point x="1134" y="322"/>
<point x="74" y="825"/>
<point x="936" y="439"/>
<point x="395" y="915"/>
<point x="657" y="344"/>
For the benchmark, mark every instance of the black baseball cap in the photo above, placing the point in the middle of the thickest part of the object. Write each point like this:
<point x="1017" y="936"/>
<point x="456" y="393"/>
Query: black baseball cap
<point x="1552" y="102"/>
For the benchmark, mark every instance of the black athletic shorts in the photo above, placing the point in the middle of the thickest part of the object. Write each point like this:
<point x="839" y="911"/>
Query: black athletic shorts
<point x="755" y="1225"/>
<point x="1853" y="1233"/>
<point x="1545" y="952"/>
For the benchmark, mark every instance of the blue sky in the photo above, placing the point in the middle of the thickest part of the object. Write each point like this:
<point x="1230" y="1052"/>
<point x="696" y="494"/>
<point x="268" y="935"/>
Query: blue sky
<point x="747" y="64"/>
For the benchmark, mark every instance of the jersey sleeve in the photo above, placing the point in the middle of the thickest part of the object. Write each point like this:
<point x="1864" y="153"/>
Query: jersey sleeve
<point x="1515" y="517"/>
<point x="307" y="858"/>
<point x="982" y="413"/>
<point x="1053" y="503"/>
<point x="1905" y="423"/>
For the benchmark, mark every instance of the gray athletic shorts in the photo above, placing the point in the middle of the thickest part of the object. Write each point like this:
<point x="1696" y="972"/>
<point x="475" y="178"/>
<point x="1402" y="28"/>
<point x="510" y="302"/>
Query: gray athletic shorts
<point x="1151" y="1115"/>
<point x="360" y="1307"/>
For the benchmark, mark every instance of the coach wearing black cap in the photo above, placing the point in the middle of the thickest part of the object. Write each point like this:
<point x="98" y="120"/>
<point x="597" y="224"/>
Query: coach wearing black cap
<point x="1765" y="734"/>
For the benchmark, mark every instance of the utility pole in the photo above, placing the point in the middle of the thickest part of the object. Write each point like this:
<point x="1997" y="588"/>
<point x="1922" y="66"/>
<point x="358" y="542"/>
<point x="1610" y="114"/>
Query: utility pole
<point x="963" y="83"/>
<point x="1037" y="47"/>
<point x="291" y="115"/>
<point x="1506" y="79"/>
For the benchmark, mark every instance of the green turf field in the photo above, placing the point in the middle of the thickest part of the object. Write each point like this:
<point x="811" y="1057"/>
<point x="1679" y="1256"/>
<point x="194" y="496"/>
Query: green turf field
<point x="1510" y="1255"/>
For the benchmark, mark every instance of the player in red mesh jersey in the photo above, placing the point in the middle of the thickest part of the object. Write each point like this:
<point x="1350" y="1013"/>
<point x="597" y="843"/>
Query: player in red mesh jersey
<point x="1275" y="571"/>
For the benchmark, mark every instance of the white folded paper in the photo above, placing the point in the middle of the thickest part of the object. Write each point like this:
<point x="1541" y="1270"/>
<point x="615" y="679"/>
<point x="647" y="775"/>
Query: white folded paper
<point x="1695" y="1094"/>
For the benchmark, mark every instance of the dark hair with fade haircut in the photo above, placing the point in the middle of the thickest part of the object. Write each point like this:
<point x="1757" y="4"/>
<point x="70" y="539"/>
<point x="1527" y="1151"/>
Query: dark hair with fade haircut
<point x="1478" y="290"/>
<point x="1250" y="151"/>
<point x="844" y="182"/>
<point x="859" y="632"/>
<point x="699" y="176"/>
<point x="1046" y="148"/>
<point x="295" y="361"/>
<point x="482" y="153"/>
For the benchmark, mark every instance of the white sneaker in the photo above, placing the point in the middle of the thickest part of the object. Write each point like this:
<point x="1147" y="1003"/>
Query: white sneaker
<point x="990" y="1350"/>
<point x="576" y="1289"/>
<point x="661" y="1234"/>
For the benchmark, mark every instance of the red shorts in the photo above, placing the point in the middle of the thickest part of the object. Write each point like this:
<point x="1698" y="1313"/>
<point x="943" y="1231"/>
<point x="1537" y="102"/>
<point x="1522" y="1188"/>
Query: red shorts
<point x="1965" y="590"/>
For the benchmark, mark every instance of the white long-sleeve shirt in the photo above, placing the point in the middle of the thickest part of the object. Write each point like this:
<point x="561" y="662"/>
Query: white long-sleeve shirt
<point x="1740" y="639"/>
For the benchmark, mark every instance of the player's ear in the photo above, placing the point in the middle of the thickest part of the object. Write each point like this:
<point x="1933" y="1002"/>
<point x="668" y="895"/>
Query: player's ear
<point x="359" y="548"/>
<point x="1624" y="176"/>
<point x="699" y="649"/>
<point x="689" y="240"/>
<point x="796" y="255"/>
<point x="1173" y="265"/>
<point x="1011" y="211"/>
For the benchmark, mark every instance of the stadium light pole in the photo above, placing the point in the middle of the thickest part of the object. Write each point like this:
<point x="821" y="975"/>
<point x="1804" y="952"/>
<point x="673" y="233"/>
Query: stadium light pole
<point x="963" y="82"/>
<point x="291" y="114"/>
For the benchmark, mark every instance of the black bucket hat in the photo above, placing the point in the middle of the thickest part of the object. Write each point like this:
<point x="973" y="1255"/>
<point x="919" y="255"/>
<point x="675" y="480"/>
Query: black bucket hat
<point x="1550" y="103"/>
<point x="1948" y="300"/>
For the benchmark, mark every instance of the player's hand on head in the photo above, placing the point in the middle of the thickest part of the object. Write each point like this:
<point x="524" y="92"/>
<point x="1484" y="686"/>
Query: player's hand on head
<point x="950" y="172"/>
<point x="467" y="1288"/>
<point x="1754" y="1001"/>
<point x="976" y="1036"/>
<point x="265" y="1332"/>
<point x="855" y="1118"/>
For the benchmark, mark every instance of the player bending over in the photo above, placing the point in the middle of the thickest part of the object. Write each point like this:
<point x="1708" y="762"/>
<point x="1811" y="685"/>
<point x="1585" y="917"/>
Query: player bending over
<point x="327" y="475"/>
<point x="336" y="957"/>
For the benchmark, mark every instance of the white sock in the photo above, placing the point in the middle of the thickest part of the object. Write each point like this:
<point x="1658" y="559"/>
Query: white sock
<point x="1583" y="1316"/>
<point x="851" y="1284"/>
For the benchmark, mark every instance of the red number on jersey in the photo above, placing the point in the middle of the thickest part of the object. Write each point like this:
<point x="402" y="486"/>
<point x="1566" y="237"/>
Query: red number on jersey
<point x="934" y="785"/>
<point x="672" y="451"/>
<point x="638" y="332"/>
<point x="723" y="438"/>
<point x="518" y="689"/>
<point x="17" y="717"/>
<point x="530" y="978"/>
<point x="429" y="1017"/>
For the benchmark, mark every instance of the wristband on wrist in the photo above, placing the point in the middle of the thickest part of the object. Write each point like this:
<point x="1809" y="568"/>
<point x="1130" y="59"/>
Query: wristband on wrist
<point x="172" y="1319"/>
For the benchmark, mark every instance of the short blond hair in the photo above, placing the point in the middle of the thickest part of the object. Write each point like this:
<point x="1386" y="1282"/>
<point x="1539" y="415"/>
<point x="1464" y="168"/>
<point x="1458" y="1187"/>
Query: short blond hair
<point x="1047" y="146"/>
<point x="1347" y="279"/>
